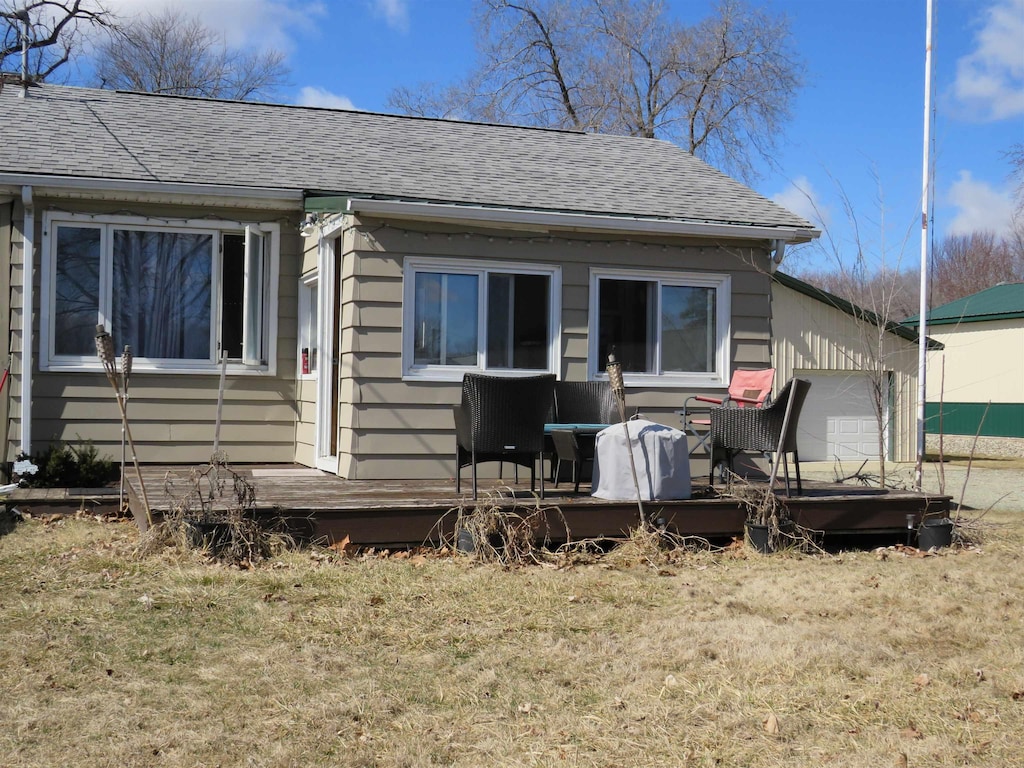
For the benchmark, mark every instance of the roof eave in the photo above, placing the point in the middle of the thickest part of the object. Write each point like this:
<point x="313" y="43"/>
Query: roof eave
<point x="571" y="222"/>
<point x="53" y="185"/>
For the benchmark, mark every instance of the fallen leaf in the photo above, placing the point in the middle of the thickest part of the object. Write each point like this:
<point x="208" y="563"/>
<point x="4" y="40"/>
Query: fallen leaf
<point x="922" y="680"/>
<point x="910" y="732"/>
<point x="771" y="724"/>
<point x="901" y="760"/>
<point x="341" y="547"/>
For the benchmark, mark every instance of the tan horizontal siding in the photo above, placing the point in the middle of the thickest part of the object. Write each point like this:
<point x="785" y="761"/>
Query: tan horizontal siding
<point x="6" y="215"/>
<point x="173" y="416"/>
<point x="395" y="428"/>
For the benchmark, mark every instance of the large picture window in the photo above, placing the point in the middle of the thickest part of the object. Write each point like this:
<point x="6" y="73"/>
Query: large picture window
<point x="664" y="328"/>
<point x="461" y="317"/>
<point x="180" y="296"/>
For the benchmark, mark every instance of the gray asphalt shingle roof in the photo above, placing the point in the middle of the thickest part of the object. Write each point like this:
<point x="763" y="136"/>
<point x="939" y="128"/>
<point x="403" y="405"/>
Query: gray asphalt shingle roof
<point x="58" y="130"/>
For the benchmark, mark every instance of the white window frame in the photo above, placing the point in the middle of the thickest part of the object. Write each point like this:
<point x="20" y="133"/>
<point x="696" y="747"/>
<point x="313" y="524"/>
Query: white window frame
<point x="722" y="283"/>
<point x="260" y="292"/>
<point x="481" y="269"/>
<point x="309" y="330"/>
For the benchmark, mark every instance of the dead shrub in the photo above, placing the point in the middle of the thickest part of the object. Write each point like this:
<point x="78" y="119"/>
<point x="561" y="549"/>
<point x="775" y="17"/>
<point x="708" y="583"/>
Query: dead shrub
<point x="214" y="512"/>
<point x="495" y="532"/>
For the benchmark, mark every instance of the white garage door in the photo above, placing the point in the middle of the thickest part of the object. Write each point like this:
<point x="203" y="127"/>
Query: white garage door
<point x="838" y="420"/>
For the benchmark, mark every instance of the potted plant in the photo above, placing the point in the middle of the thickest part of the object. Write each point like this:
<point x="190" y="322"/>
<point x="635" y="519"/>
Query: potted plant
<point x="768" y="522"/>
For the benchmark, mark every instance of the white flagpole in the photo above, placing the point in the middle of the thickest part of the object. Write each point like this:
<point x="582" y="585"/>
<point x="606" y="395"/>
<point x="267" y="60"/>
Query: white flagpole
<point x="922" y="342"/>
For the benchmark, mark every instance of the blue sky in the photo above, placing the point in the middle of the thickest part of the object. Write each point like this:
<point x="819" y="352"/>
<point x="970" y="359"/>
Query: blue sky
<point x="855" y="139"/>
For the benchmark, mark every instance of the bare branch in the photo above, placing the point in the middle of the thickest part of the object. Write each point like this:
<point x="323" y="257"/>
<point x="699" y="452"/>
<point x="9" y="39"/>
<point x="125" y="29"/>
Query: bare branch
<point x="57" y="31"/>
<point x="721" y="89"/>
<point x="176" y="54"/>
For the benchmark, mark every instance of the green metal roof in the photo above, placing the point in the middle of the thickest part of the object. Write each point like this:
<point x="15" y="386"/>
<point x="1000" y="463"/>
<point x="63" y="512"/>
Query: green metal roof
<point x="1000" y="302"/>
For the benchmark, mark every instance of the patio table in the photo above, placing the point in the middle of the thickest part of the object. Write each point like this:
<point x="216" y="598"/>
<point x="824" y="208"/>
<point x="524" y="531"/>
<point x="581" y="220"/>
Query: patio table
<point x="579" y="449"/>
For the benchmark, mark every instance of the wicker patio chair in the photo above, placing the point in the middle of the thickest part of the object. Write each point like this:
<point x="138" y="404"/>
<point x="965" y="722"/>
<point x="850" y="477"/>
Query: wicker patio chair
<point x="747" y="389"/>
<point x="502" y="419"/>
<point x="579" y="402"/>
<point x="768" y="430"/>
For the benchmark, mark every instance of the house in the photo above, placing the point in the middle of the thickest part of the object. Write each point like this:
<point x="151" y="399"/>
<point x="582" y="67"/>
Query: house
<point x="977" y="380"/>
<point x="863" y="373"/>
<point x="347" y="268"/>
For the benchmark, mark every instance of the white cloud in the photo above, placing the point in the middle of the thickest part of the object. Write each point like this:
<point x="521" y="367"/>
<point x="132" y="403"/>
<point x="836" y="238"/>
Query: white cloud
<point x="244" y="23"/>
<point x="990" y="79"/>
<point x="313" y="96"/>
<point x="980" y="207"/>
<point x="800" y="198"/>
<point x="394" y="12"/>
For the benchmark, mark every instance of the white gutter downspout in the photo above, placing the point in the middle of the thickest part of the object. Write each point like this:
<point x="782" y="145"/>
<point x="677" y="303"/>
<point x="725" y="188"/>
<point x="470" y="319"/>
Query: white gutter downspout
<point x="28" y="252"/>
<point x="778" y="250"/>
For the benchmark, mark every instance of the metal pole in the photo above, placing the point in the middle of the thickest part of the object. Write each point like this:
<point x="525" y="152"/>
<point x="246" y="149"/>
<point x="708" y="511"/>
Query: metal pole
<point x="220" y="405"/>
<point x="614" y="371"/>
<point x="922" y="341"/>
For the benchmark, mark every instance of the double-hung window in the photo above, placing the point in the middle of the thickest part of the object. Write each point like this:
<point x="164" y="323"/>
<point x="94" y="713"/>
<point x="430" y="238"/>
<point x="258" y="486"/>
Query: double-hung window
<point x="180" y="295"/>
<point x="666" y="329"/>
<point x="470" y="316"/>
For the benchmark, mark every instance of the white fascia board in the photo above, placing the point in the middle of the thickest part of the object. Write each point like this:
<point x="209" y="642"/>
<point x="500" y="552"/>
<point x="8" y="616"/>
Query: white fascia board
<point x="577" y="222"/>
<point x="47" y="185"/>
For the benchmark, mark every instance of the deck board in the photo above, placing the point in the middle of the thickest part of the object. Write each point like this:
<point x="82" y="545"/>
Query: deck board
<point x="409" y="512"/>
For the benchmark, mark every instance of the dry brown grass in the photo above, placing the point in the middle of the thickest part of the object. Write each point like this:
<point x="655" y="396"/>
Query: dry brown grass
<point x="702" y="659"/>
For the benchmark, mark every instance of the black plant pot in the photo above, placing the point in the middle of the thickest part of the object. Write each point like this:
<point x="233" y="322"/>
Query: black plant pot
<point x="204" y="534"/>
<point x="935" y="533"/>
<point x="759" y="537"/>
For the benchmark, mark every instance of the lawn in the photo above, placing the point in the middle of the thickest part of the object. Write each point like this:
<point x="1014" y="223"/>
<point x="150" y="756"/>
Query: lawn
<point x="867" y="658"/>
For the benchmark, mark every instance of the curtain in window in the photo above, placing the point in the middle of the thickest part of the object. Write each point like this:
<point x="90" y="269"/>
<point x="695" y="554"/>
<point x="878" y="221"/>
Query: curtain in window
<point x="162" y="293"/>
<point x="77" y="290"/>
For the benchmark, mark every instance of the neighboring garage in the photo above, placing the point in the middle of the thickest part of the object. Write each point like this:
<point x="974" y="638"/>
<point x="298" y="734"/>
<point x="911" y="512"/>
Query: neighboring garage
<point x="837" y="346"/>
<point x="838" y="419"/>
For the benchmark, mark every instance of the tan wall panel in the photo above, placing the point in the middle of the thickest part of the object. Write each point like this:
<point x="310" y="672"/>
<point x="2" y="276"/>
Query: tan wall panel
<point x="375" y="366"/>
<point x="372" y="316"/>
<point x="983" y="362"/>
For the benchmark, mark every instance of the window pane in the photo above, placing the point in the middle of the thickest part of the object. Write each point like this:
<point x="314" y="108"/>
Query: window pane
<point x="517" y="321"/>
<point x="445" y="318"/>
<point x="77" y="289"/>
<point x="626" y="314"/>
<point x="162" y="293"/>
<point x="427" y="318"/>
<point x="231" y="295"/>
<point x="688" y="333"/>
<point x="461" y="318"/>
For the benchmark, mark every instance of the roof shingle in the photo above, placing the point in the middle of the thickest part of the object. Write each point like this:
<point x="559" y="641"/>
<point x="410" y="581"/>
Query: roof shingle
<point x="58" y="130"/>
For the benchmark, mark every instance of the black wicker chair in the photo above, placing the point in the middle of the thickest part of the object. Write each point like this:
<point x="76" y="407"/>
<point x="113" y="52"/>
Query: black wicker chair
<point x="769" y="430"/>
<point x="502" y="419"/>
<point x="579" y="402"/>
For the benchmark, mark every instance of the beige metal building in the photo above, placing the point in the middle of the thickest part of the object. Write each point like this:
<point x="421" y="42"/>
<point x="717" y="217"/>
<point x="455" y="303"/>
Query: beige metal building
<point x="863" y="373"/>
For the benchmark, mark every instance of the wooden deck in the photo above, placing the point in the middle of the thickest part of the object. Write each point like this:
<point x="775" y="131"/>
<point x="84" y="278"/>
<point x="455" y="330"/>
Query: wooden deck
<point x="326" y="508"/>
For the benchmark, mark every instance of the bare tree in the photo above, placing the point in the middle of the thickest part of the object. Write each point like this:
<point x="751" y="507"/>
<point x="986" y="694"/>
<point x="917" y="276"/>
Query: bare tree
<point x="721" y="89"/>
<point x="173" y="53"/>
<point x="56" y="31"/>
<point x="1016" y="157"/>
<point x="966" y="264"/>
